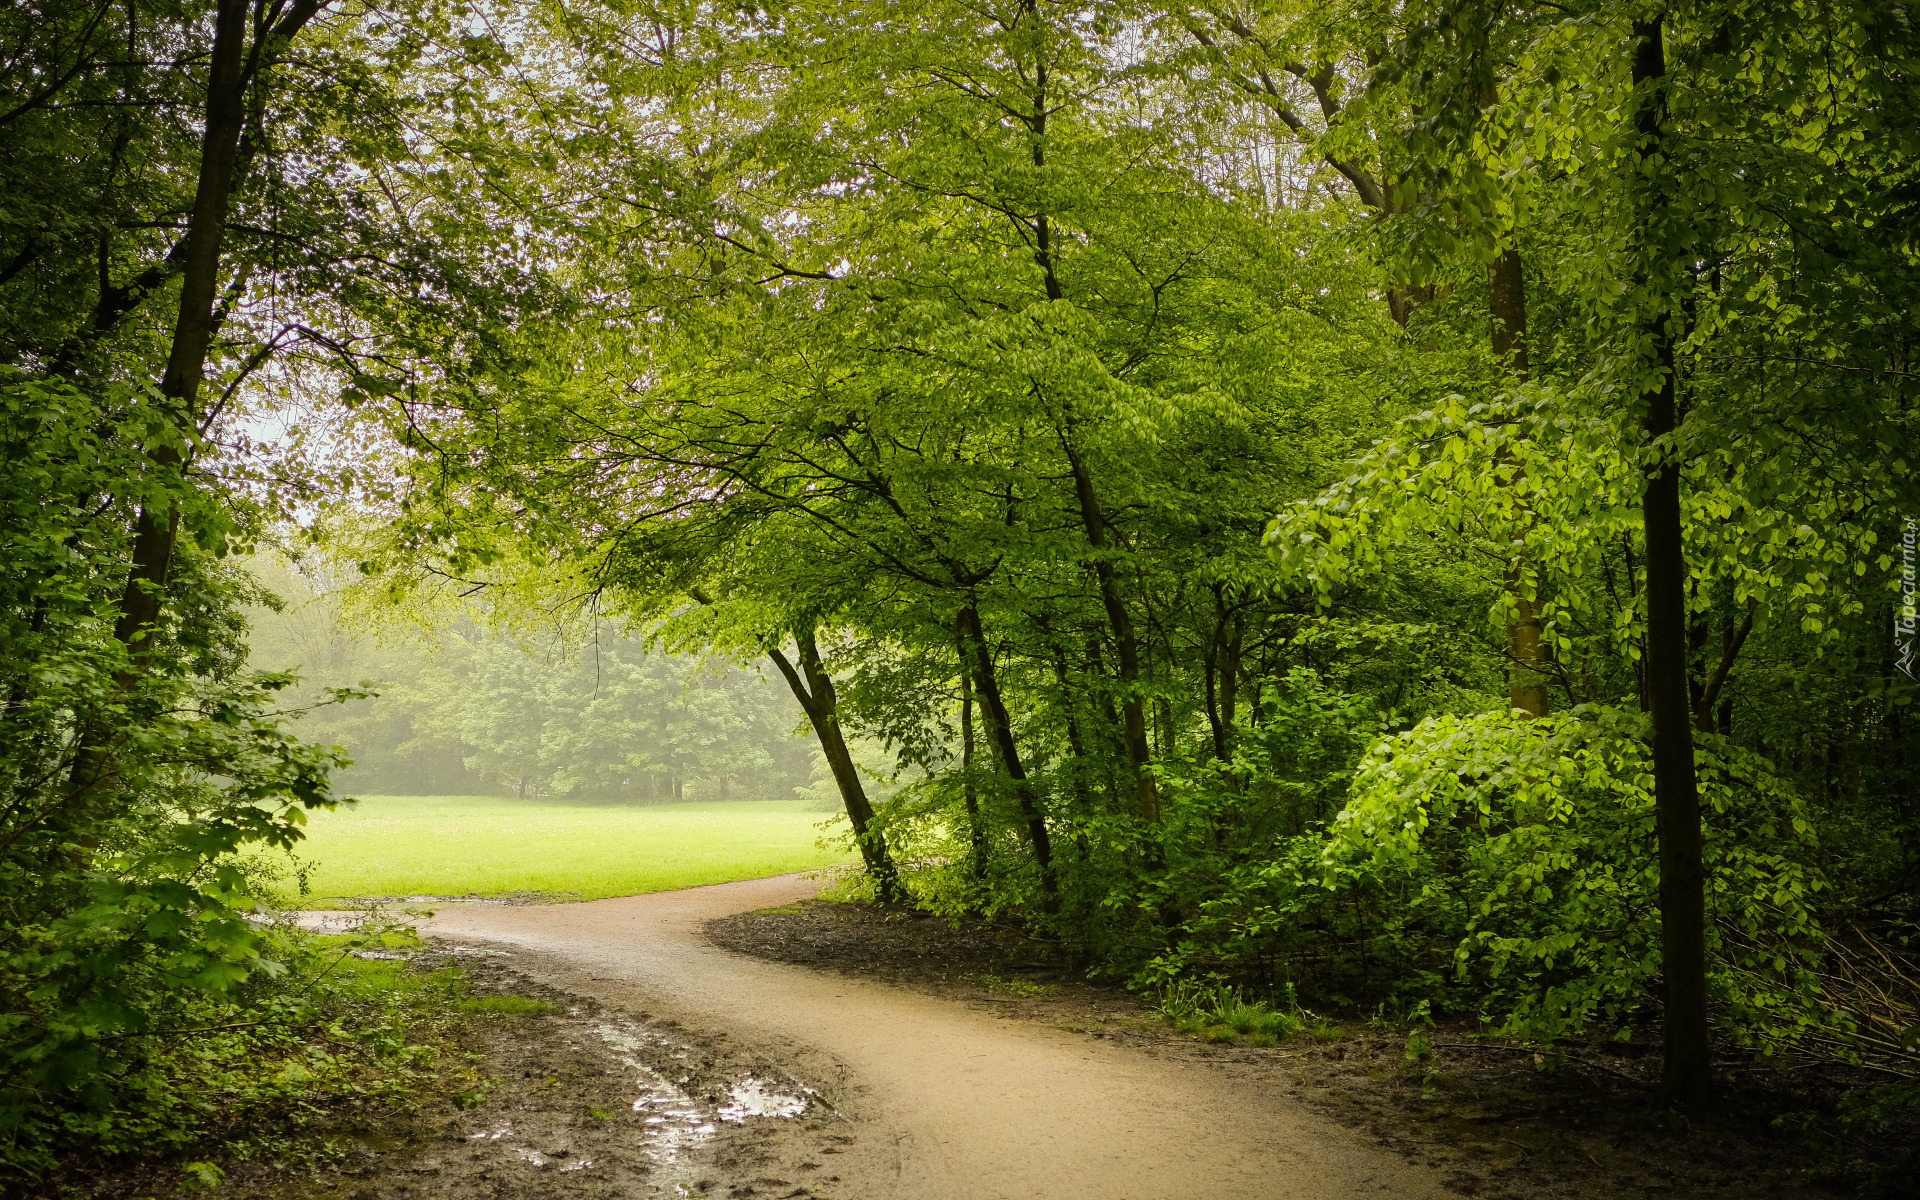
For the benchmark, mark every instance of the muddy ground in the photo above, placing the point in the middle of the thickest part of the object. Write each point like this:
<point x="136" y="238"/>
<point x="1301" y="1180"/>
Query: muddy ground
<point x="1498" y="1121"/>
<point x="581" y="1101"/>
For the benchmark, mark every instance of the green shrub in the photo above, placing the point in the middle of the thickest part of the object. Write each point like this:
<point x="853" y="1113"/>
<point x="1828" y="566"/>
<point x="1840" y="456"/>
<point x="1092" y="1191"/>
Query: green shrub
<point x="510" y="1005"/>
<point x="1219" y="1013"/>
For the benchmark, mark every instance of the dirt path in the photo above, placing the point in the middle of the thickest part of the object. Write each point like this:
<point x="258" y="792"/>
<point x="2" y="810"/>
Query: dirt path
<point x="948" y="1103"/>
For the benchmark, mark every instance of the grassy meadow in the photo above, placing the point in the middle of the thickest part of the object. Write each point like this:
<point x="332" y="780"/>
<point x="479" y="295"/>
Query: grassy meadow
<point x="399" y="846"/>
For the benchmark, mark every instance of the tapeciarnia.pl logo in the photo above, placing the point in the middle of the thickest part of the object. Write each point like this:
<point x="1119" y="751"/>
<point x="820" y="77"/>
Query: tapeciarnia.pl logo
<point x="1903" y="621"/>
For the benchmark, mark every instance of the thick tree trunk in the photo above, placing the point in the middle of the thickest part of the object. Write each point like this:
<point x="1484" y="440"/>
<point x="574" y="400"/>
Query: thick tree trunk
<point x="1507" y="307"/>
<point x="821" y="703"/>
<point x="156" y="532"/>
<point x="1688" y="1073"/>
<point x="1526" y="686"/>
<point x="1000" y="729"/>
<point x="157" y="526"/>
<point x="1126" y="641"/>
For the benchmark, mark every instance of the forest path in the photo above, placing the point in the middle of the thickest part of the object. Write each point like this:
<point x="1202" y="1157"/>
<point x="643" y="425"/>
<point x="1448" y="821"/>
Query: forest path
<point x="951" y="1103"/>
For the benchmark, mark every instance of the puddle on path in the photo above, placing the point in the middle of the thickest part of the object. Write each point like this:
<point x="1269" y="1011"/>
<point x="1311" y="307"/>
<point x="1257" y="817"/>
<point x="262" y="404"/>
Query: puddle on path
<point x="681" y="1097"/>
<point x="753" y="1098"/>
<point x="410" y="955"/>
<point x="675" y="1125"/>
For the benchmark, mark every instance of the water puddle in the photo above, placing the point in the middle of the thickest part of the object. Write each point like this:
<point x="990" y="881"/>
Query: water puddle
<point x="410" y="955"/>
<point x="753" y="1098"/>
<point x="675" y="1126"/>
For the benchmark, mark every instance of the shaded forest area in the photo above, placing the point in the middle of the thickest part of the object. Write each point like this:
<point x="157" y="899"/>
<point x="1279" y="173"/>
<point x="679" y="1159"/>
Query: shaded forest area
<point x="1404" y="509"/>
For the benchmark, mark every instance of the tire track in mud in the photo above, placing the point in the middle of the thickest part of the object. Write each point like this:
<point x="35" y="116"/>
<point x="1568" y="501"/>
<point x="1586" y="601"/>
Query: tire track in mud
<point x="946" y="1103"/>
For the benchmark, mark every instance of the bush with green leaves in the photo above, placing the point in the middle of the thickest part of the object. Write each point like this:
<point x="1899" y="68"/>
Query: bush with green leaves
<point x="277" y="1066"/>
<point x="1514" y="859"/>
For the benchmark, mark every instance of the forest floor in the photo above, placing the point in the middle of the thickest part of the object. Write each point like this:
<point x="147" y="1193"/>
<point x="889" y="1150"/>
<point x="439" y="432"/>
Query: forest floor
<point x="1483" y="1114"/>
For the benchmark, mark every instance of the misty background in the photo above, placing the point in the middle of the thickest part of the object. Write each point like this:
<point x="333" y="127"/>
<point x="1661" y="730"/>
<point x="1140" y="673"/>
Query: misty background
<point x="467" y="710"/>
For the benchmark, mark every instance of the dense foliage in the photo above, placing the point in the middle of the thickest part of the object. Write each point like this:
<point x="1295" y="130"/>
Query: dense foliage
<point x="966" y="352"/>
<point x="187" y="209"/>
<point x="127" y="790"/>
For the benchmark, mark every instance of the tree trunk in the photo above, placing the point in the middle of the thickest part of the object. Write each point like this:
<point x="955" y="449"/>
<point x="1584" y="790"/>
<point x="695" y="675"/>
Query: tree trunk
<point x="970" y="792"/>
<point x="157" y="529"/>
<point x="156" y="532"/>
<point x="1210" y="692"/>
<point x="1222" y="668"/>
<point x="1507" y="306"/>
<point x="1507" y="311"/>
<point x="1230" y="679"/>
<point x="1077" y="745"/>
<point x="1000" y="728"/>
<point x="1139" y="754"/>
<point x="230" y="68"/>
<point x="229" y="71"/>
<point x="821" y="703"/>
<point x="1688" y="1074"/>
<point x="1126" y="641"/>
<point x="1111" y="731"/>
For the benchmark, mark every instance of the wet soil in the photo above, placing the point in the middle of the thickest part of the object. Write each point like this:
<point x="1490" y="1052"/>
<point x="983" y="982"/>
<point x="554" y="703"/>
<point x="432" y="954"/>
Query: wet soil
<point x="583" y="1101"/>
<point x="1493" y="1120"/>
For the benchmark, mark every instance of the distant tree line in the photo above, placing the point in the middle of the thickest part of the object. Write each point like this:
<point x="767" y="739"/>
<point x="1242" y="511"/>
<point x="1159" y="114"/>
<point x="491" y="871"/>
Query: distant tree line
<point x="586" y="713"/>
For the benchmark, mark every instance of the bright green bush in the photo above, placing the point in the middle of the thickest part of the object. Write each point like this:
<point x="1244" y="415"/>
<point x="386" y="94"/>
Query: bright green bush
<point x="267" y="1068"/>
<point x="1515" y="860"/>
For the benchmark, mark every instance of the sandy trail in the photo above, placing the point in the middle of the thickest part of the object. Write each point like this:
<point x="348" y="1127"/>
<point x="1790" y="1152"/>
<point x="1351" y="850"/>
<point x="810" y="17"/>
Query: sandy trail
<point x="953" y="1104"/>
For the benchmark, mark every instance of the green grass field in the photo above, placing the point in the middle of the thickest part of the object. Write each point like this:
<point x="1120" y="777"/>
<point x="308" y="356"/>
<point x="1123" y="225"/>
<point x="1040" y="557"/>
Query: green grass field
<point x="400" y="846"/>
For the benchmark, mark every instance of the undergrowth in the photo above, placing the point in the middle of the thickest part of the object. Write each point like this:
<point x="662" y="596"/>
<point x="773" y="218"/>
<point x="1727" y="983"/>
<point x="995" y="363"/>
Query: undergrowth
<point x="1218" y="1012"/>
<point x="350" y="1031"/>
